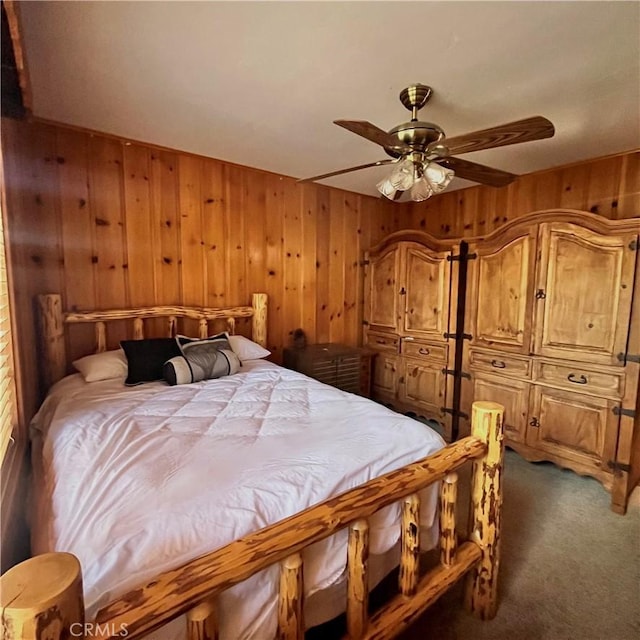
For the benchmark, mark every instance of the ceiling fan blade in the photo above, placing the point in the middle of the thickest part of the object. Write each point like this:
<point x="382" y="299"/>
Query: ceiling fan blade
<point x="340" y="171"/>
<point x="478" y="172"/>
<point x="535" y="128"/>
<point x="372" y="133"/>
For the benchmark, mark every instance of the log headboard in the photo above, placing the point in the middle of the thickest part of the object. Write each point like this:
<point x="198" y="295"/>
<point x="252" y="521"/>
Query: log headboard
<point x="53" y="321"/>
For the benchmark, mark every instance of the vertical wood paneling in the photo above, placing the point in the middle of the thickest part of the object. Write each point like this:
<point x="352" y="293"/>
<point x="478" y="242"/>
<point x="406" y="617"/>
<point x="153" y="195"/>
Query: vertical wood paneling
<point x="609" y="187"/>
<point x="274" y="207"/>
<point x="351" y="239"/>
<point x="323" y="286"/>
<point x="141" y="278"/>
<point x="292" y="262"/>
<point x="194" y="281"/>
<point x="337" y="214"/>
<point x="76" y="220"/>
<point x="254" y="185"/>
<point x="628" y="199"/>
<point x="109" y="223"/>
<point x="214" y="232"/>
<point x="42" y="206"/>
<point x="166" y="226"/>
<point x="236" y="282"/>
<point x="309" y="258"/>
<point x="105" y="197"/>
<point x="77" y="233"/>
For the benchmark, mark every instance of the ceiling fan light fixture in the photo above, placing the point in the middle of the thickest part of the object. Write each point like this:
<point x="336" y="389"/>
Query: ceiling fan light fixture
<point x="387" y="189"/>
<point x="421" y="180"/>
<point x="402" y="176"/>
<point x="437" y="176"/>
<point x="421" y="190"/>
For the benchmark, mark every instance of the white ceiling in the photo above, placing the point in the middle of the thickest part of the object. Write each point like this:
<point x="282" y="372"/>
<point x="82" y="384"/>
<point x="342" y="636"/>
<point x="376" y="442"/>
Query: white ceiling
<point x="259" y="83"/>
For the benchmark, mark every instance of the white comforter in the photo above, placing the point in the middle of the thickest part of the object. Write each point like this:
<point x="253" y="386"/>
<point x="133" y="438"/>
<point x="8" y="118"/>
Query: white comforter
<point x="135" y="481"/>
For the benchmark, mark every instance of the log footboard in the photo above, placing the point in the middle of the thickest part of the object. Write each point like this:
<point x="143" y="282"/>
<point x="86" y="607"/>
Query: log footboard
<point x="193" y="588"/>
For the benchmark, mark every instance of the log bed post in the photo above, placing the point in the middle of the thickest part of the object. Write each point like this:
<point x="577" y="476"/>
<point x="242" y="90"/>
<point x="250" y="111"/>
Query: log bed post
<point x="54" y="361"/>
<point x="410" y="545"/>
<point x="448" y="496"/>
<point x="486" y="503"/>
<point x="101" y="337"/>
<point x="202" y="623"/>
<point x="138" y="329"/>
<point x="259" y="319"/>
<point x="357" y="579"/>
<point x="290" y="599"/>
<point x="42" y="599"/>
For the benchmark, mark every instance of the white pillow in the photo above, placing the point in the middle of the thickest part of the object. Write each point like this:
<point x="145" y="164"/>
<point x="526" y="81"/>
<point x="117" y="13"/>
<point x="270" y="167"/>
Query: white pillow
<point x="246" y="349"/>
<point x="102" y="366"/>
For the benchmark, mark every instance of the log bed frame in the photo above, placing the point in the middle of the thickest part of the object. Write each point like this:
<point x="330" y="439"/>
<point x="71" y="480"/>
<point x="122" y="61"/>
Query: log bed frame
<point x="42" y="597"/>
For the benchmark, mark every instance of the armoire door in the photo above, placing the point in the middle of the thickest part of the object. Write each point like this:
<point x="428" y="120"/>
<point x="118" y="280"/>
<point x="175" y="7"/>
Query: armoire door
<point x="425" y="293"/>
<point x="385" y="377"/>
<point x="383" y="277"/>
<point x="583" y="293"/>
<point x="573" y="426"/>
<point x="501" y="291"/>
<point x="423" y="384"/>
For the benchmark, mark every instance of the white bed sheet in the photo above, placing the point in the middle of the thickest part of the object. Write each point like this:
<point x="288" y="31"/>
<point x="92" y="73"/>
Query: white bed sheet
<point x="135" y="481"/>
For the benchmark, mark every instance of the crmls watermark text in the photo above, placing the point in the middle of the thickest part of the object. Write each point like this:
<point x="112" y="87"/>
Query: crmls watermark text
<point x="79" y="630"/>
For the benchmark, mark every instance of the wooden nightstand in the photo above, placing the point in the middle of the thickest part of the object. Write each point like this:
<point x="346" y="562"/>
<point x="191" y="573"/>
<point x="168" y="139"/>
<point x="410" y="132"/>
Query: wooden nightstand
<point x="347" y="368"/>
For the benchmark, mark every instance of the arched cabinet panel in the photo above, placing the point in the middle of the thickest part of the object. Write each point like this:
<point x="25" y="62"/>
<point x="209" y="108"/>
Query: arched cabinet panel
<point x="501" y="284"/>
<point x="584" y="293"/>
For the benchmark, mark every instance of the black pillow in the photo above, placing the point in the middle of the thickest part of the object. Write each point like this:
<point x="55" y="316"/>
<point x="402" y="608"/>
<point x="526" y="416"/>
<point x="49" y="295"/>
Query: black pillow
<point x="146" y="358"/>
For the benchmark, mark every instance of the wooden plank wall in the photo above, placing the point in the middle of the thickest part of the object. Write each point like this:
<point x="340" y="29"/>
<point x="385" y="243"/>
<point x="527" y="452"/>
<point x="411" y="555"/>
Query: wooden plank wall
<point x="112" y="223"/>
<point x="608" y="186"/>
<point x="109" y="223"/>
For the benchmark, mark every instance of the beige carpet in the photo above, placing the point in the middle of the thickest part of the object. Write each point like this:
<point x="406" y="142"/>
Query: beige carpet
<point x="570" y="567"/>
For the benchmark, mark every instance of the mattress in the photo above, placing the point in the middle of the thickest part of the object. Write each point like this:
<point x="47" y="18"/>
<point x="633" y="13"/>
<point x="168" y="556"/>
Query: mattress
<point x="138" y="480"/>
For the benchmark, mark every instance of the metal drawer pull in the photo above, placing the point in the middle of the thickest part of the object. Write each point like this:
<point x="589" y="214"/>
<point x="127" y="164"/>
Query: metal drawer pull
<point x="572" y="378"/>
<point x="498" y="364"/>
<point x="534" y="422"/>
<point x="423" y="352"/>
<point x="381" y="341"/>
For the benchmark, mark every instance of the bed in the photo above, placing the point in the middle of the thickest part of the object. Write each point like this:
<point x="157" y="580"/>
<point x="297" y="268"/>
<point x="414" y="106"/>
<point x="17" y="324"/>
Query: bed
<point x="228" y="487"/>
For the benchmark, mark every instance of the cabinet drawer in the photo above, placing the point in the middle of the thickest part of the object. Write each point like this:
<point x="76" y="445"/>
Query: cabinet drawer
<point x="580" y="379"/>
<point x="383" y="341"/>
<point x="418" y="349"/>
<point x="499" y="363"/>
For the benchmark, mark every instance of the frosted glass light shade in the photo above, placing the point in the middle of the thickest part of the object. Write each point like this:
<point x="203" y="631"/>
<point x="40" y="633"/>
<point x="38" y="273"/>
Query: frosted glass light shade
<point x="438" y="177"/>
<point x="421" y="190"/>
<point x="402" y="176"/>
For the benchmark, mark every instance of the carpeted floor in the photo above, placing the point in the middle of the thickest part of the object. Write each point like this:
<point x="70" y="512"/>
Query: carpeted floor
<point x="570" y="567"/>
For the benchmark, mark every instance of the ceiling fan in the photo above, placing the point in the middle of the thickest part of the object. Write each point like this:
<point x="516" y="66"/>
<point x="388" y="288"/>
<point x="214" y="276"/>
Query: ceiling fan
<point x="424" y="157"/>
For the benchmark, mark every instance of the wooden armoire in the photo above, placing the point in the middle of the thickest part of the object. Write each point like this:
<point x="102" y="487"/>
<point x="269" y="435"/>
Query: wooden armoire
<point x="542" y="316"/>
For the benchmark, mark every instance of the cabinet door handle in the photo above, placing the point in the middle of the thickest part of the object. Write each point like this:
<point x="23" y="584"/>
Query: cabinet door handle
<point x="402" y="291"/>
<point x="540" y="294"/>
<point x="498" y="364"/>
<point x="534" y="422"/>
<point x="581" y="380"/>
<point x="423" y="352"/>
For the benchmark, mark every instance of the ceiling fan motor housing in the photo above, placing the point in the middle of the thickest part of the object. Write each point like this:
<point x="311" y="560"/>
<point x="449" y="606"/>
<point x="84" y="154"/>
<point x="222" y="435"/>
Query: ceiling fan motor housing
<point x="415" y="134"/>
